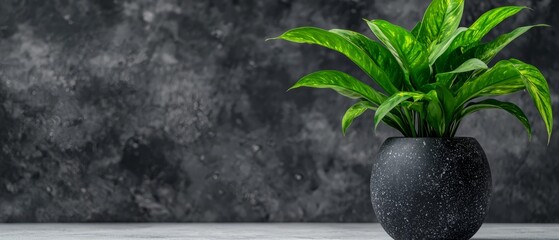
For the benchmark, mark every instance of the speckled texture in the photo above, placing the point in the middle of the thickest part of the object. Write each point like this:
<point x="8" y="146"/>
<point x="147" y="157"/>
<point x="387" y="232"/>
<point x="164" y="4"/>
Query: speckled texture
<point x="431" y="188"/>
<point x="176" y="111"/>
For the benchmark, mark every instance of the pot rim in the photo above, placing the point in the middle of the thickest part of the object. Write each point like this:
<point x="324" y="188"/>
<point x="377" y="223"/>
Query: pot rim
<point x="432" y="138"/>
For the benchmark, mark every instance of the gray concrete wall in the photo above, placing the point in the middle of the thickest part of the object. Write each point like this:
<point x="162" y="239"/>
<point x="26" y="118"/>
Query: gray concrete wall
<point x="177" y="111"/>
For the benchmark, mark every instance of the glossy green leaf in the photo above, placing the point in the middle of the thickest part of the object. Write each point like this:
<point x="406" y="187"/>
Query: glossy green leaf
<point x="415" y="106"/>
<point x="489" y="83"/>
<point x="445" y="79"/>
<point x="470" y="65"/>
<point x="440" y="21"/>
<point x="378" y="53"/>
<point x="496" y="104"/>
<point x="539" y="91"/>
<point x="435" y="116"/>
<point x="354" y="112"/>
<point x="441" y="48"/>
<point x="389" y="104"/>
<point x="489" y="20"/>
<point x="416" y="29"/>
<point x="483" y="25"/>
<point x="506" y="77"/>
<point x="342" y="83"/>
<point x="359" y="108"/>
<point x="334" y="41"/>
<point x="488" y="51"/>
<point x="411" y="54"/>
<point x="447" y="100"/>
<point x="431" y="73"/>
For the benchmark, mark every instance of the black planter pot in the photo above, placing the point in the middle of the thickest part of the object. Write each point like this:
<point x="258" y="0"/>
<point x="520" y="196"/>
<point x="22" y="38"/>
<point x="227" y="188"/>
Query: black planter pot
<point x="431" y="188"/>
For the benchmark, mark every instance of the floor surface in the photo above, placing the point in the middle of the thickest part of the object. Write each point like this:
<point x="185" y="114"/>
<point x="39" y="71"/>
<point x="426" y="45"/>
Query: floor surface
<point x="195" y="231"/>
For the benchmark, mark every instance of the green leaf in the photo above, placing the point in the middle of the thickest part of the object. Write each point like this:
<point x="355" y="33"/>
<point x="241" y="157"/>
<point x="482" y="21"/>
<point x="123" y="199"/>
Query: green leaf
<point x="378" y="53"/>
<point x="334" y="41"/>
<point x="491" y="19"/>
<point x="495" y="104"/>
<point x="490" y="83"/>
<point x="445" y="79"/>
<point x="483" y="25"/>
<point x="416" y="29"/>
<point x="435" y="116"/>
<point x="539" y="91"/>
<point x="411" y="54"/>
<point x="468" y="66"/>
<point x="431" y="73"/>
<point x="342" y="83"/>
<point x="510" y="76"/>
<point x="354" y="112"/>
<point x="440" y="20"/>
<point x="447" y="100"/>
<point x="488" y="51"/>
<point x="359" y="108"/>
<point x="393" y="101"/>
<point x="415" y="106"/>
<point x="441" y="48"/>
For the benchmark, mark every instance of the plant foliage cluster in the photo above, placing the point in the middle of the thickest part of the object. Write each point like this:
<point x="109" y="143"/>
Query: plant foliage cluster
<point x="432" y="76"/>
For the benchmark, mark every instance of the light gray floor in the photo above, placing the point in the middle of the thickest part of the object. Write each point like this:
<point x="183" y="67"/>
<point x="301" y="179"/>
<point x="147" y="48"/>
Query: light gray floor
<point x="195" y="231"/>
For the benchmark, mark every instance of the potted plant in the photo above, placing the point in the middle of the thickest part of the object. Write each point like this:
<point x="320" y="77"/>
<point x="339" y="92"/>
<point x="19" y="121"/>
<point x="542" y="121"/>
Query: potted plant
<point x="429" y="184"/>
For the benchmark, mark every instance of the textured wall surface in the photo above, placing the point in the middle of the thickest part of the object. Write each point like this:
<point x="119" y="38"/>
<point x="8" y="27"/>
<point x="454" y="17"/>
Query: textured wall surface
<point x="177" y="111"/>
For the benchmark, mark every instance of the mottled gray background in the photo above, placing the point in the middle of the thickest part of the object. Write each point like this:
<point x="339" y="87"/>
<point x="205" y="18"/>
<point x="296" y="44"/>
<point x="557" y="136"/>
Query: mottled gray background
<point x="177" y="111"/>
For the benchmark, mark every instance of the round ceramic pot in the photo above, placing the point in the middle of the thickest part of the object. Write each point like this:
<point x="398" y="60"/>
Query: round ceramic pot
<point x="431" y="188"/>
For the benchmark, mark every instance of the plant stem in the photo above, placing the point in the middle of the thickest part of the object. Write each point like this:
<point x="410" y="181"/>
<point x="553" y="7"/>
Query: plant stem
<point x="410" y="122"/>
